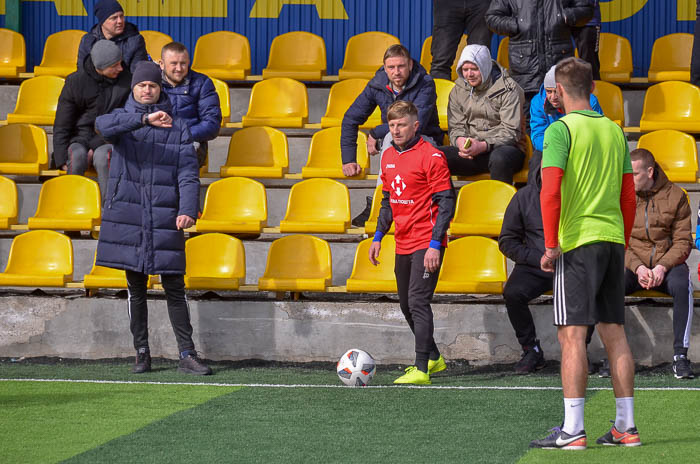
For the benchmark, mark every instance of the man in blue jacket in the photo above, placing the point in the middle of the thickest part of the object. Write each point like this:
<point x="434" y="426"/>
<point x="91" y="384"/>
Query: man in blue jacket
<point x="112" y="26"/>
<point x="153" y="195"/>
<point x="192" y="95"/>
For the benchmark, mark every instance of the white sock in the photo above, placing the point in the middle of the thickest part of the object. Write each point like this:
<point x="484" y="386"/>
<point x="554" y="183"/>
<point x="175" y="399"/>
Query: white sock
<point x="573" y="415"/>
<point x="624" y="418"/>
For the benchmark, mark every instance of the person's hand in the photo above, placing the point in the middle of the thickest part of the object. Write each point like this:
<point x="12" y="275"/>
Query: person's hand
<point x="374" y="249"/>
<point x="644" y="276"/>
<point x="476" y="148"/>
<point x="549" y="258"/>
<point x="351" y="169"/>
<point x="184" y="222"/>
<point x="90" y="155"/>
<point x="431" y="261"/>
<point x="160" y="119"/>
<point x="657" y="275"/>
<point x="372" y="146"/>
<point x="64" y="168"/>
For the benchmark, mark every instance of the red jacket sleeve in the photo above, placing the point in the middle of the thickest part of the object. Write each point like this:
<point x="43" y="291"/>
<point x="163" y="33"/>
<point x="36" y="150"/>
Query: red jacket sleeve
<point x="550" y="198"/>
<point x="628" y="204"/>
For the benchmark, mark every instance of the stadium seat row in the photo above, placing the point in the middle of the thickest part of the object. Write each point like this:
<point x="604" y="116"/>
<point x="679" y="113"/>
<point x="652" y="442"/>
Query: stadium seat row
<point x="295" y="263"/>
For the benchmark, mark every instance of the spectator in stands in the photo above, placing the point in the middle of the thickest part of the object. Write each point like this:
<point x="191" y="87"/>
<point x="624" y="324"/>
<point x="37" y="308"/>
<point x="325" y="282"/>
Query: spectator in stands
<point x="101" y="85"/>
<point x="193" y="97"/>
<point x="112" y="26"/>
<point x="451" y="19"/>
<point x="419" y="198"/>
<point x="695" y="58"/>
<point x="540" y="35"/>
<point x="659" y="247"/>
<point x="401" y="78"/>
<point x="153" y="195"/>
<point x="485" y="119"/>
<point x="545" y="108"/>
<point x="588" y="39"/>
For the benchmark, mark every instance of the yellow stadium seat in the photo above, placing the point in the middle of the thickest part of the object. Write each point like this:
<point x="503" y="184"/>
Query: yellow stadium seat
<point x="426" y="56"/>
<point x="610" y="99"/>
<point x="224" y="99"/>
<point x="13" y="53"/>
<point x="298" y="55"/>
<point x="234" y="205"/>
<point x="37" y="100"/>
<point x="23" y="149"/>
<point x="676" y="153"/>
<point x="155" y="41"/>
<point x="484" y="273"/>
<point x="107" y="277"/>
<point x="480" y="208"/>
<point x="67" y="203"/>
<point x="443" y="88"/>
<point x="371" y="223"/>
<point x="8" y="202"/>
<point x="367" y="277"/>
<point x="214" y="262"/>
<point x="364" y="54"/>
<point x="317" y="206"/>
<point x="670" y="58"/>
<point x="224" y="55"/>
<point x="39" y="258"/>
<point x="60" y="54"/>
<point x="520" y="177"/>
<point x="341" y="96"/>
<point x="671" y="105"/>
<point x="257" y="152"/>
<point x="502" y="55"/>
<point x="297" y="263"/>
<point x="325" y="159"/>
<point x="277" y="102"/>
<point x="615" y="54"/>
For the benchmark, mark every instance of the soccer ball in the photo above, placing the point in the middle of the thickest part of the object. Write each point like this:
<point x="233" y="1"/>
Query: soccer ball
<point x="356" y="368"/>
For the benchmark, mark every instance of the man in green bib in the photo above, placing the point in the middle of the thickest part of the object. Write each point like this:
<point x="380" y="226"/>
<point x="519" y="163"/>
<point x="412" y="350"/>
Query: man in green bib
<point x="588" y="207"/>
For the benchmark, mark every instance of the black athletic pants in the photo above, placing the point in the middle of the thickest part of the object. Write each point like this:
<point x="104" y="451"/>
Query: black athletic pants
<point x="416" y="287"/>
<point x="503" y="162"/>
<point x="178" y="310"/>
<point x="451" y="19"/>
<point x="587" y="40"/>
<point x="677" y="284"/>
<point x="695" y="57"/>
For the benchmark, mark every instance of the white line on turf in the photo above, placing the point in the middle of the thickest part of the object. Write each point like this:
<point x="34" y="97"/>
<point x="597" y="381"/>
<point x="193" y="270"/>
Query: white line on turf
<point x="271" y="385"/>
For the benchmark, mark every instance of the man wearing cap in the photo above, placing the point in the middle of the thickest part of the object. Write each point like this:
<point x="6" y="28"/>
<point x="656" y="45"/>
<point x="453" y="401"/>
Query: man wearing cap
<point x="153" y="195"/>
<point x="112" y="26"/>
<point x="545" y="108"/>
<point x="101" y="85"/>
<point x="485" y="119"/>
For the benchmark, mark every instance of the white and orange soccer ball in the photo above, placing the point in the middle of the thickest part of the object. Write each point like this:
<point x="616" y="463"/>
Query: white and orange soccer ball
<point x="356" y="368"/>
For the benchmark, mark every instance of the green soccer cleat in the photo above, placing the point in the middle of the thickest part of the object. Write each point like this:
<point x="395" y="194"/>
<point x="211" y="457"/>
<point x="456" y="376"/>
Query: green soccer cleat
<point x="436" y="366"/>
<point x="413" y="376"/>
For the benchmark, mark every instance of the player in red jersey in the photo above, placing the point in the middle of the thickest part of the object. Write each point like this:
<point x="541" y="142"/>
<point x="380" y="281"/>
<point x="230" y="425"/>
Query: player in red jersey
<point x="420" y="199"/>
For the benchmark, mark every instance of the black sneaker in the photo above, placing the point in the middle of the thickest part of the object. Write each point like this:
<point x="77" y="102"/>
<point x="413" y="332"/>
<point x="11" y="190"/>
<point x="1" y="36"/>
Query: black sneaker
<point x="143" y="361"/>
<point x="559" y="439"/>
<point x="616" y="438"/>
<point x="531" y="360"/>
<point x="604" y="371"/>
<point x="681" y="367"/>
<point x="360" y="219"/>
<point x="191" y="364"/>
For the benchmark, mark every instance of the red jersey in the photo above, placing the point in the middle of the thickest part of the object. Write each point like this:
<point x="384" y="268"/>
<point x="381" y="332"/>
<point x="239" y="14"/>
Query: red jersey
<point x="412" y="177"/>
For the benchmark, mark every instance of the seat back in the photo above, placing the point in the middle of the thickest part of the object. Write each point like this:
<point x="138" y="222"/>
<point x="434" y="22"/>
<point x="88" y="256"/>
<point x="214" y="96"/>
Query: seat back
<point x="215" y="255"/>
<point x="222" y="49"/>
<point x="502" y="55"/>
<point x="41" y="252"/>
<point x="615" y="54"/>
<point x="69" y="197"/>
<point x="341" y="96"/>
<point x="325" y="149"/>
<point x="8" y="199"/>
<point x="224" y="94"/>
<point x="426" y="56"/>
<point x="299" y="257"/>
<point x="318" y="200"/>
<point x="486" y="262"/>
<point x="443" y="88"/>
<point x="669" y="102"/>
<point x="278" y="97"/>
<point x="671" y="53"/>
<point x="363" y="269"/>
<point x="610" y="99"/>
<point x="365" y="52"/>
<point x="297" y="51"/>
<point x="13" y="53"/>
<point x="258" y="146"/>
<point x="39" y="96"/>
<point x="675" y="151"/>
<point x="24" y="143"/>
<point x="61" y="49"/>
<point x="155" y="41"/>
<point x="371" y="223"/>
<point x="483" y="203"/>
<point x="235" y="198"/>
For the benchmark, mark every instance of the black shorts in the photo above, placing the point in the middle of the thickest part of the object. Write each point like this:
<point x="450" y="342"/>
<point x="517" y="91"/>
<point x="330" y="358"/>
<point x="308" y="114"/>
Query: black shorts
<point x="589" y="285"/>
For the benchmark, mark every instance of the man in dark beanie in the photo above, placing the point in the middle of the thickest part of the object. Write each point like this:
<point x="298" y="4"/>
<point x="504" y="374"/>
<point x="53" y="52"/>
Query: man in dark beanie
<point x="112" y="26"/>
<point x="153" y="195"/>
<point x="101" y="85"/>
